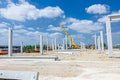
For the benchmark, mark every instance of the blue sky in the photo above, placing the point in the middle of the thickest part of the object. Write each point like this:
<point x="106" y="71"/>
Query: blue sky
<point x="81" y="18"/>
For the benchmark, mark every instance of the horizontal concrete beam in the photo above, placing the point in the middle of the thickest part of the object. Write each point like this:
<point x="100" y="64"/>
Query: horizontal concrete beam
<point x="18" y="75"/>
<point x="40" y="58"/>
<point x="114" y="17"/>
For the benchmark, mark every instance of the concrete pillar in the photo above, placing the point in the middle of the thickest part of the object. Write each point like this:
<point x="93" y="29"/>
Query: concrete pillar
<point x="66" y="46"/>
<point x="47" y="44"/>
<point x="81" y="45"/>
<point x="10" y="41"/>
<point x="41" y="44"/>
<point x="63" y="44"/>
<point x="95" y="39"/>
<point x="21" y="47"/>
<point x="58" y="47"/>
<point x="70" y="44"/>
<point x="55" y="43"/>
<point x="35" y="47"/>
<point x="84" y="46"/>
<point x="102" y="42"/>
<point x="109" y="37"/>
<point x="98" y="40"/>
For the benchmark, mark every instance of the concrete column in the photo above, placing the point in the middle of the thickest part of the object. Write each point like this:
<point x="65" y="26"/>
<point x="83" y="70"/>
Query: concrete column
<point x="10" y="41"/>
<point x="95" y="39"/>
<point x="35" y="47"/>
<point x="81" y="45"/>
<point x="66" y="43"/>
<point x="98" y="40"/>
<point x="84" y="46"/>
<point x="70" y="44"/>
<point x="55" y="43"/>
<point x="47" y="44"/>
<point x="63" y="44"/>
<point x="41" y="44"/>
<point x="21" y="47"/>
<point x="109" y="37"/>
<point x="58" y="47"/>
<point x="102" y="42"/>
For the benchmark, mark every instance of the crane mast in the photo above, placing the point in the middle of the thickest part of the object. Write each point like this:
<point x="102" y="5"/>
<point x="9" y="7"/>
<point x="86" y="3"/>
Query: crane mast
<point x="69" y="37"/>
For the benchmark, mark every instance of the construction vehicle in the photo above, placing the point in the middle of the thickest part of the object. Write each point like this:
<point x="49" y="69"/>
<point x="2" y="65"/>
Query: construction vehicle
<point x="73" y="44"/>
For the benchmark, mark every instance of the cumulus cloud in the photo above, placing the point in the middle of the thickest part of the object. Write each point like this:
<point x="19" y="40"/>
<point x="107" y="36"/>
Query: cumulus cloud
<point x="98" y="9"/>
<point x="83" y="26"/>
<point x="25" y="11"/>
<point x="102" y="19"/>
<point x="55" y="35"/>
<point x="52" y="28"/>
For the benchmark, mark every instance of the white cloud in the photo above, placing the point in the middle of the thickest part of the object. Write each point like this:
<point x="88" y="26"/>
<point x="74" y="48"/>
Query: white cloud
<point x="52" y="28"/>
<point x="55" y="35"/>
<point x="25" y="34"/>
<point x="25" y="11"/>
<point x="102" y="19"/>
<point x="83" y="26"/>
<point x="4" y="25"/>
<point x="98" y="9"/>
<point x="18" y="26"/>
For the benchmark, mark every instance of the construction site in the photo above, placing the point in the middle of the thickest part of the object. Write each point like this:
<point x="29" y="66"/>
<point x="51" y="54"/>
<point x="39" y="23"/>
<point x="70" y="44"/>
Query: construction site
<point x="45" y="57"/>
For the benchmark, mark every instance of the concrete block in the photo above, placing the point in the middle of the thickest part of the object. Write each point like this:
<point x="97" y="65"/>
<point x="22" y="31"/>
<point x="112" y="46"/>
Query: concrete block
<point x="18" y="75"/>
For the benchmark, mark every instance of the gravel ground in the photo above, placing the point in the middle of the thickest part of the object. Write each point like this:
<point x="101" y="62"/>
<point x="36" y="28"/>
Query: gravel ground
<point x="81" y="65"/>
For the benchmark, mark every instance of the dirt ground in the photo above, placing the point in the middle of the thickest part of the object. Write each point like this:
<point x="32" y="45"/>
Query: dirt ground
<point x="77" y="66"/>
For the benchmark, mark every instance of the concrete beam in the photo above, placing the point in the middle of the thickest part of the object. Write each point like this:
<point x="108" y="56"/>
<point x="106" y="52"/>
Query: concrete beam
<point x="36" y="58"/>
<point x="18" y="75"/>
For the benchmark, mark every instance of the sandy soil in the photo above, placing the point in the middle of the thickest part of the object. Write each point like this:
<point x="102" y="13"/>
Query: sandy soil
<point x="90" y="65"/>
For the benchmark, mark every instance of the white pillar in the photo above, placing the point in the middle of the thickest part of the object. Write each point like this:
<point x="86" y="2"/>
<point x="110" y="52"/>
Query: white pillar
<point x="35" y="47"/>
<point x="81" y="45"/>
<point x="21" y="50"/>
<point x="95" y="39"/>
<point x="10" y="40"/>
<point x="47" y="44"/>
<point x="84" y="46"/>
<point x="58" y="47"/>
<point x="70" y="44"/>
<point x="98" y="40"/>
<point x="41" y="44"/>
<point x="109" y="37"/>
<point x="63" y="44"/>
<point x="66" y="43"/>
<point x="52" y="44"/>
<point x="55" y="43"/>
<point x="102" y="42"/>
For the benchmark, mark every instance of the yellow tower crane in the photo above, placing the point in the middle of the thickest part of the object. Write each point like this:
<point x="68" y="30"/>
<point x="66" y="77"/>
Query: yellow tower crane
<point x="73" y="44"/>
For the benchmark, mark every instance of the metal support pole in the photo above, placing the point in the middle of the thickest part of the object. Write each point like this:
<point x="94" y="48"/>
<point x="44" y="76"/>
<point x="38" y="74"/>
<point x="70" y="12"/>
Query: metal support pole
<point x="41" y="44"/>
<point x="21" y="50"/>
<point x="102" y="42"/>
<point x="109" y="37"/>
<point x="10" y="40"/>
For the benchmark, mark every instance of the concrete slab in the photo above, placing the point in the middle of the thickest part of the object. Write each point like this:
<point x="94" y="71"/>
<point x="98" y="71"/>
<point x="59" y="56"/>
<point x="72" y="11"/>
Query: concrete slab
<point x="18" y="75"/>
<point x="40" y="58"/>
